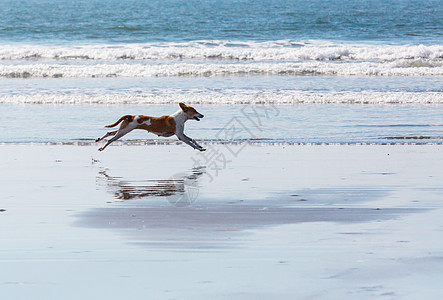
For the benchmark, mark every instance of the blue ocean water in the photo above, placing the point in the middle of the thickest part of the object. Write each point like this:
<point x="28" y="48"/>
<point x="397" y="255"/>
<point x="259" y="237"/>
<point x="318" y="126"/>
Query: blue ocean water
<point x="142" y="21"/>
<point x="135" y="53"/>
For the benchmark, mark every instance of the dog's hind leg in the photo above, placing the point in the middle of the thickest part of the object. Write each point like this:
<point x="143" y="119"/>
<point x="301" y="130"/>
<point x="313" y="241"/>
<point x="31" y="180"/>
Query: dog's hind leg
<point x="106" y="135"/>
<point x="119" y="134"/>
<point x="125" y="128"/>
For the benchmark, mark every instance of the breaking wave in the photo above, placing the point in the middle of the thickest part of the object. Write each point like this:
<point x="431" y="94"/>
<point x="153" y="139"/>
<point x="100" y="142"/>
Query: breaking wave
<point x="284" y="50"/>
<point x="220" y="58"/>
<point x="394" y="68"/>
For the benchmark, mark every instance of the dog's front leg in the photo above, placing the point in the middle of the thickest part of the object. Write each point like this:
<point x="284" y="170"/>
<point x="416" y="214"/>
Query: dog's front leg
<point x="197" y="145"/>
<point x="191" y="142"/>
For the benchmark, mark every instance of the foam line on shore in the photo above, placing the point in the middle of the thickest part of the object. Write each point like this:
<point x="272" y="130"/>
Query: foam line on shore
<point x="222" y="142"/>
<point x="231" y="97"/>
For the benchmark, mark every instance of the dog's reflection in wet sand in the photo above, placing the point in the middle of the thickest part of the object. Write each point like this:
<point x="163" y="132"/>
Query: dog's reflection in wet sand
<point x="181" y="189"/>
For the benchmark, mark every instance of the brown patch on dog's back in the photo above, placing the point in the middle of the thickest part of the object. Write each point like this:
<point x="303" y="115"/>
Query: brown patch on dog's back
<point x="160" y="125"/>
<point x="142" y="119"/>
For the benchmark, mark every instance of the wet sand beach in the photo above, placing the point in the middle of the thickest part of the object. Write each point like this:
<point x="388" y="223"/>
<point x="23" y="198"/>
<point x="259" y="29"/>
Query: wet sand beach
<point x="164" y="222"/>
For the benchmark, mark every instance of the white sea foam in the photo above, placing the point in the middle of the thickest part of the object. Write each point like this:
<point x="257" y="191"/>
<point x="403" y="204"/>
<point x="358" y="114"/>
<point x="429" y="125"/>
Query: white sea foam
<point x="233" y="97"/>
<point x="220" y="58"/>
<point x="225" y="50"/>
<point x="418" y="67"/>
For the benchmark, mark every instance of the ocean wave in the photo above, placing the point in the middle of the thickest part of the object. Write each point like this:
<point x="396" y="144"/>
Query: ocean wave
<point x="418" y="67"/>
<point x="233" y="97"/>
<point x="284" y="50"/>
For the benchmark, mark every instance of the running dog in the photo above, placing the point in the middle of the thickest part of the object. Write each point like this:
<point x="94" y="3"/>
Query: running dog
<point x="165" y="126"/>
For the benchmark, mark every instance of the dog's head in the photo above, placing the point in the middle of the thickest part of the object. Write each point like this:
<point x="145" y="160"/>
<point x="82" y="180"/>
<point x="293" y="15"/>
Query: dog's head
<point x="191" y="112"/>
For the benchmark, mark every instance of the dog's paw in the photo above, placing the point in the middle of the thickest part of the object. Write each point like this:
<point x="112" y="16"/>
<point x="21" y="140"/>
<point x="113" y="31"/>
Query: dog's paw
<point x="100" y="149"/>
<point x="202" y="149"/>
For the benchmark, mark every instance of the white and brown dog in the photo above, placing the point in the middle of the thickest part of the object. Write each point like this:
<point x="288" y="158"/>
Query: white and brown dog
<point x="162" y="126"/>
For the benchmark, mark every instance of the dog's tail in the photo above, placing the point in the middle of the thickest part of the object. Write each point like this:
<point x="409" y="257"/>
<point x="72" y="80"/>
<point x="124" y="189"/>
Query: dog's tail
<point x="129" y="118"/>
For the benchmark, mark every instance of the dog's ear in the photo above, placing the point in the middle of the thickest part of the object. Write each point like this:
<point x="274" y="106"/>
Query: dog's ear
<point x="183" y="106"/>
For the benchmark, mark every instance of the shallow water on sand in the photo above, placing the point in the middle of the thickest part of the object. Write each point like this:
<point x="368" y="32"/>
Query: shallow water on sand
<point x="327" y="123"/>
